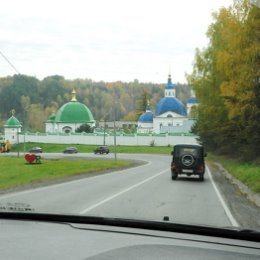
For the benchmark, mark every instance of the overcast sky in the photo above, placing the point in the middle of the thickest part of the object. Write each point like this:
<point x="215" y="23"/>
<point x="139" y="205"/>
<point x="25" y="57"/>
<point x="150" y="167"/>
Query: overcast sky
<point x="105" y="40"/>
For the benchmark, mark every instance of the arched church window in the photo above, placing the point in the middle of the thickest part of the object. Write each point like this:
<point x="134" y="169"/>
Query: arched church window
<point x="67" y="129"/>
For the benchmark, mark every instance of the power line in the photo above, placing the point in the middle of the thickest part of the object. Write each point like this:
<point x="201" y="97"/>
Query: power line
<point x="10" y="63"/>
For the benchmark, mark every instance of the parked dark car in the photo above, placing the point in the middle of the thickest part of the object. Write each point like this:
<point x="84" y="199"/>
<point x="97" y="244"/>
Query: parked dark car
<point x="102" y="149"/>
<point x="70" y="150"/>
<point x="36" y="150"/>
<point x="188" y="160"/>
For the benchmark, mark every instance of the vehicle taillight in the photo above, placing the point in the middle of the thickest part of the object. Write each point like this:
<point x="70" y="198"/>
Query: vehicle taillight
<point x="201" y="168"/>
<point x="173" y="166"/>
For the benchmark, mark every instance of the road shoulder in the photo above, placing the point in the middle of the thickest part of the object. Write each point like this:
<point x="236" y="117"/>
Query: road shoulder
<point x="242" y="202"/>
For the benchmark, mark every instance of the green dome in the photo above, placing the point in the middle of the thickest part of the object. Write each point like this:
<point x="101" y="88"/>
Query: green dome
<point x="12" y="122"/>
<point x="74" y="112"/>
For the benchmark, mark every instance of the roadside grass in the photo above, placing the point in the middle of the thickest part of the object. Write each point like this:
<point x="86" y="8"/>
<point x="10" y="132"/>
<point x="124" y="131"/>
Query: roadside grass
<point x="15" y="172"/>
<point x="57" y="148"/>
<point x="248" y="173"/>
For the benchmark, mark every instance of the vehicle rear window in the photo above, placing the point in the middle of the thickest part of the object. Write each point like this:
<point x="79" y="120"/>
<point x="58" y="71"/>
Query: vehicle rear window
<point x="187" y="150"/>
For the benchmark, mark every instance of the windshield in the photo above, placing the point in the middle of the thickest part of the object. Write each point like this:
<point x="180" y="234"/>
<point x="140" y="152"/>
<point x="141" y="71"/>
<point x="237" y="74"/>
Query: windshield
<point x="94" y="95"/>
<point x="187" y="150"/>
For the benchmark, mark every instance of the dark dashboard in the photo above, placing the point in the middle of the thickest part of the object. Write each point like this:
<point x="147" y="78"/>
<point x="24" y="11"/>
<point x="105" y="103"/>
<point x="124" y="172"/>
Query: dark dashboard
<point x="34" y="238"/>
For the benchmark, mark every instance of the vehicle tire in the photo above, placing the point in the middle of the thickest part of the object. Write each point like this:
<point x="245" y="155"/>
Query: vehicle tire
<point x="201" y="178"/>
<point x="174" y="175"/>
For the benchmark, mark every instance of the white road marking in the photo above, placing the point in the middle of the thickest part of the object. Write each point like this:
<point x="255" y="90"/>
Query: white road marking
<point x="224" y="205"/>
<point x="122" y="192"/>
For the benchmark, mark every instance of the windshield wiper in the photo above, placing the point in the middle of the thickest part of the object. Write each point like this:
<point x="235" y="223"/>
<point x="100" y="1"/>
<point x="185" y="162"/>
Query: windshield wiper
<point x="240" y="234"/>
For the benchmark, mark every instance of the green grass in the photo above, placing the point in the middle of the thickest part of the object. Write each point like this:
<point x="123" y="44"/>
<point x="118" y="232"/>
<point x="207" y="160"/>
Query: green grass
<point x="16" y="172"/>
<point x="248" y="173"/>
<point x="50" y="148"/>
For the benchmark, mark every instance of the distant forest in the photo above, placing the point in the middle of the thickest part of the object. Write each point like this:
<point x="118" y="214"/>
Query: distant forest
<point x="34" y="100"/>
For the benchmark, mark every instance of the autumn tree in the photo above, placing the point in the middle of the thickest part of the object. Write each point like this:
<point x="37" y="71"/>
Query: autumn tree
<point x="36" y="118"/>
<point x="226" y="80"/>
<point x="142" y="102"/>
<point x="10" y="95"/>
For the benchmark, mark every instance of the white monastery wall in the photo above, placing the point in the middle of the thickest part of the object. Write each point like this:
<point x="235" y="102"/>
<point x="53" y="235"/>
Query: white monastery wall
<point x="93" y="139"/>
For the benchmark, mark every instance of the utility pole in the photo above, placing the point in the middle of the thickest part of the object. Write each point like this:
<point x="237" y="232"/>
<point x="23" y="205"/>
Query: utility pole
<point x="104" y="142"/>
<point x="115" y="129"/>
<point x="18" y="150"/>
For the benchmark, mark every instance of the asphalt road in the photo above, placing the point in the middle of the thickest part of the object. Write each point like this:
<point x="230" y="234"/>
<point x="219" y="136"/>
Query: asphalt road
<point x="143" y="192"/>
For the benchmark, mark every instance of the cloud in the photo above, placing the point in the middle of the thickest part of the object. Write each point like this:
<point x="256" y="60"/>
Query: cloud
<point x="104" y="40"/>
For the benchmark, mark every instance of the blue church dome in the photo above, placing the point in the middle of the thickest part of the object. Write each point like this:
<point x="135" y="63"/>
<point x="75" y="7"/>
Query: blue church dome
<point x="172" y="104"/>
<point x="146" y="117"/>
<point x="192" y="100"/>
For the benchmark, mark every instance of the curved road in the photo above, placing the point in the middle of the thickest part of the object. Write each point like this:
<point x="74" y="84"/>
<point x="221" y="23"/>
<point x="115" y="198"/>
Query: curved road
<point x="143" y="192"/>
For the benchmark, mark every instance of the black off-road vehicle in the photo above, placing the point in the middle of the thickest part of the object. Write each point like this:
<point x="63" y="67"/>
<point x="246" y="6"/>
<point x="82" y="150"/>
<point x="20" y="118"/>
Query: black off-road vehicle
<point x="189" y="160"/>
<point x="102" y="149"/>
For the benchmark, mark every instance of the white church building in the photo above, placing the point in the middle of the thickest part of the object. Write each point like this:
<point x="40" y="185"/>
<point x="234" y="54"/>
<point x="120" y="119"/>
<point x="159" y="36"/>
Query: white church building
<point x="170" y="114"/>
<point x="12" y="128"/>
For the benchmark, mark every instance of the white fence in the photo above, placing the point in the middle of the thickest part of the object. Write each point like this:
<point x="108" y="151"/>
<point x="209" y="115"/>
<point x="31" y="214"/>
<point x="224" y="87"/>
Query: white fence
<point x="99" y="139"/>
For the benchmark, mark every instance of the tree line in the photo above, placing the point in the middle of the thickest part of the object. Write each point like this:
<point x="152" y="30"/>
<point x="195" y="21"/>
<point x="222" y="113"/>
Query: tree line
<point x="35" y="100"/>
<point x="226" y="80"/>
